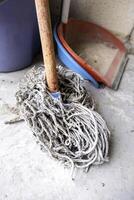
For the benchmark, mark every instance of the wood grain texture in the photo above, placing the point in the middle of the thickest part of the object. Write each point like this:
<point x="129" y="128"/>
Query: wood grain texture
<point x="44" y="21"/>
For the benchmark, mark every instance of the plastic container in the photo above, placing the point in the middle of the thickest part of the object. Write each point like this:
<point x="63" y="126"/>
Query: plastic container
<point x="68" y="61"/>
<point x="95" y="49"/>
<point x="19" y="37"/>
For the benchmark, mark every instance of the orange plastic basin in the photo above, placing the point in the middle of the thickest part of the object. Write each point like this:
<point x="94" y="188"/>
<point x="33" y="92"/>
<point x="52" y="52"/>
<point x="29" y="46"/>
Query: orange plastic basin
<point x="96" y="49"/>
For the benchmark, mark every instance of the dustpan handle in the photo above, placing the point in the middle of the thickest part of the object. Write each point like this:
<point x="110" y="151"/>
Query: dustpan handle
<point x="65" y="11"/>
<point x="44" y="21"/>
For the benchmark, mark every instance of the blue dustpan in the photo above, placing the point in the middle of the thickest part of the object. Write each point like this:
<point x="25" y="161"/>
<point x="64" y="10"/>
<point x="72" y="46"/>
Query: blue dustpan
<point x="68" y="61"/>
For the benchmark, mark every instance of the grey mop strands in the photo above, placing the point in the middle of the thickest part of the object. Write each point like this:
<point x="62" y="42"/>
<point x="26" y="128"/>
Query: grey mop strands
<point x="64" y="123"/>
<point x="68" y="128"/>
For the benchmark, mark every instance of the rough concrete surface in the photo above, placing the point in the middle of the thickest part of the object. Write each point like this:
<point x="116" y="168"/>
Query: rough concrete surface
<point x="27" y="173"/>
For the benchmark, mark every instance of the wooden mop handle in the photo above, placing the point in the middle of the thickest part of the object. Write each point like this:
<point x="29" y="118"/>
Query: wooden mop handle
<point x="44" y="21"/>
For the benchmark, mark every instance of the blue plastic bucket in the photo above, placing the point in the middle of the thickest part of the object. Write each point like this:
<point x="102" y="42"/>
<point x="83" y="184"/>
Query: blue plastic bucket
<point x="19" y="37"/>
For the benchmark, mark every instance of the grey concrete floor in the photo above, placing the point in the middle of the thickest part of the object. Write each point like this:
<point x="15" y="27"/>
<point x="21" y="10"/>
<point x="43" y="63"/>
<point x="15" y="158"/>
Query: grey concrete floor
<point x="27" y="173"/>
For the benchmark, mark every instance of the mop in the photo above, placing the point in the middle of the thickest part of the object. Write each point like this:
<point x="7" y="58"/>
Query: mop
<point x="58" y="109"/>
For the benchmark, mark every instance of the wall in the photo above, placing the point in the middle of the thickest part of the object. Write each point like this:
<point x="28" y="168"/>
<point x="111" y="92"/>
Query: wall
<point x="116" y="15"/>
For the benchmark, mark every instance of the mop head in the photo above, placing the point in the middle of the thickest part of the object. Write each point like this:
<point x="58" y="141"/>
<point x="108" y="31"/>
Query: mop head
<point x="69" y="127"/>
